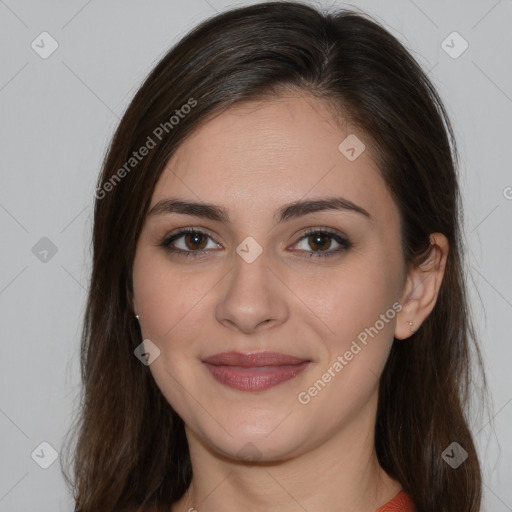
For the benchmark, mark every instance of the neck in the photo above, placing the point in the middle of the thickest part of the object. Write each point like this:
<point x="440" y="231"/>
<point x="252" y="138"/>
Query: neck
<point x="342" y="474"/>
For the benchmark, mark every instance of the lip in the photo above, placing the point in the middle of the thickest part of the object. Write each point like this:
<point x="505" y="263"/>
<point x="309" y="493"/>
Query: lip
<point x="256" y="371"/>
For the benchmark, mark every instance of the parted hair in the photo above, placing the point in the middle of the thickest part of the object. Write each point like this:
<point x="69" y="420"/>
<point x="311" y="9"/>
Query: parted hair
<point x="128" y="446"/>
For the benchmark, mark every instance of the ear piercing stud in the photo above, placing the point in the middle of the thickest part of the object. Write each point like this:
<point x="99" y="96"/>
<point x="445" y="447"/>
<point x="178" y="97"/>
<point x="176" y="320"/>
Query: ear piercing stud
<point x="410" y="325"/>
<point x="137" y="317"/>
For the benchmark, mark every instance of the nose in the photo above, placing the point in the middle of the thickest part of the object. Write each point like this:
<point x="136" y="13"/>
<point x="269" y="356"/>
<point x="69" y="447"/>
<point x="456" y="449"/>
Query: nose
<point x="254" y="297"/>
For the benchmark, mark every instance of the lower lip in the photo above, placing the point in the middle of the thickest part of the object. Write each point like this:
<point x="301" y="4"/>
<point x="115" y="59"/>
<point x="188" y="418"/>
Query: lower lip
<point x="255" y="378"/>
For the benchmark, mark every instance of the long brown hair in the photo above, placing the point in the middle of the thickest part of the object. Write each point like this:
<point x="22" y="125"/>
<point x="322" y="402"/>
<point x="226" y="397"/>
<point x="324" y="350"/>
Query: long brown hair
<point x="131" y="451"/>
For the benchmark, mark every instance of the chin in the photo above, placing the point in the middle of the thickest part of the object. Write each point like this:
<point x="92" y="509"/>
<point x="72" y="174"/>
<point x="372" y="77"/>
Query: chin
<point x="244" y="444"/>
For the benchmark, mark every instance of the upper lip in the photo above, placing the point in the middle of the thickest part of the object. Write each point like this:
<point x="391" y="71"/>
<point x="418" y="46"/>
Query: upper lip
<point x="254" y="359"/>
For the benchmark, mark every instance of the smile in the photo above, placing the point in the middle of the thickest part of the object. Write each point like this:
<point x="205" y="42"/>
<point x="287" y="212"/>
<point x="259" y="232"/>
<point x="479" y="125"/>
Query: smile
<point x="254" y="372"/>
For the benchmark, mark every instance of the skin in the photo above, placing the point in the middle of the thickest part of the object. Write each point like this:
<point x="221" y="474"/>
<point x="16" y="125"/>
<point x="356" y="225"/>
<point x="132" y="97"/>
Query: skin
<point x="252" y="159"/>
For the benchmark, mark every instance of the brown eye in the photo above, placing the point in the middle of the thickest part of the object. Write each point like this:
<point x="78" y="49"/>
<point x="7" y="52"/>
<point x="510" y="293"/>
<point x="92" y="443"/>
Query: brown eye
<point x="188" y="242"/>
<point x="321" y="241"/>
<point x="193" y="240"/>
<point x="317" y="243"/>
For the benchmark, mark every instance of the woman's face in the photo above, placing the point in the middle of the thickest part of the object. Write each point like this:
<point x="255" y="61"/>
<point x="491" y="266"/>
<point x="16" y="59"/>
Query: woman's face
<point x="267" y="278"/>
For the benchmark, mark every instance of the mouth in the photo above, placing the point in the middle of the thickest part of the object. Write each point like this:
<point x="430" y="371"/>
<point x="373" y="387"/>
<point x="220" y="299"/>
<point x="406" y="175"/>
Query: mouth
<point x="254" y="372"/>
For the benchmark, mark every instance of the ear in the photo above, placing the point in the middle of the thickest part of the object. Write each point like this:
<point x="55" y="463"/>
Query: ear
<point x="422" y="288"/>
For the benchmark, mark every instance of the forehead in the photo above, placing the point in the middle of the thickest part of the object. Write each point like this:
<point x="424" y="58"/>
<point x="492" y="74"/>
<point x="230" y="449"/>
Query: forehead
<point x="262" y="154"/>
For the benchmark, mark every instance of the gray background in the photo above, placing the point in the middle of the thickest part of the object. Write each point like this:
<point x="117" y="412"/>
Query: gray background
<point x="57" y="116"/>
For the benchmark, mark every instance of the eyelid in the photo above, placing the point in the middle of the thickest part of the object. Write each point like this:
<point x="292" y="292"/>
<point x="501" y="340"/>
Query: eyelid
<point x="329" y="231"/>
<point x="334" y="234"/>
<point x="176" y="235"/>
<point x="339" y="237"/>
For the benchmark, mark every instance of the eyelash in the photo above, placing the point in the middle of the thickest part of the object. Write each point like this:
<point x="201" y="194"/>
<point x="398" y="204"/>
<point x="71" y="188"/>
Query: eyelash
<point x="333" y="235"/>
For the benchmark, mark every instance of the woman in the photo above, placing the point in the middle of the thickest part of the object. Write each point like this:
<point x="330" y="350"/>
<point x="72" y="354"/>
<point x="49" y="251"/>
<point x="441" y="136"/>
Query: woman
<point x="277" y="315"/>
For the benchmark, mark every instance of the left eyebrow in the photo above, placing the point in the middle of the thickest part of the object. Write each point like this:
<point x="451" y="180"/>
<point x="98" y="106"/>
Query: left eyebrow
<point x="289" y="211"/>
<point x="301" y="208"/>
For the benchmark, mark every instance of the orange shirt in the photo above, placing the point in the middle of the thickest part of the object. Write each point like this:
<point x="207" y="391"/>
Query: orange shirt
<point x="400" y="503"/>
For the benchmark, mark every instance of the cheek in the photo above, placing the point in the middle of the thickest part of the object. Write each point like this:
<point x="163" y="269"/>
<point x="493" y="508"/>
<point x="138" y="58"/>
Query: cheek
<point x="355" y="297"/>
<point x="170" y="305"/>
<point x="362" y="313"/>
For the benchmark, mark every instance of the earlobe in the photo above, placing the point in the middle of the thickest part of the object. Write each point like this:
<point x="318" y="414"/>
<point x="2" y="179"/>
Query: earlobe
<point x="134" y="307"/>
<point x="422" y="288"/>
